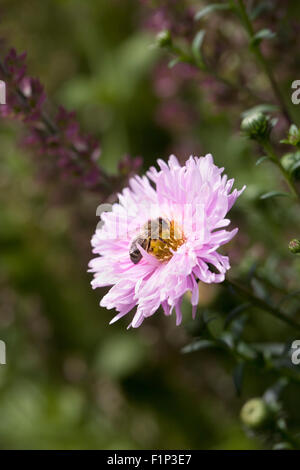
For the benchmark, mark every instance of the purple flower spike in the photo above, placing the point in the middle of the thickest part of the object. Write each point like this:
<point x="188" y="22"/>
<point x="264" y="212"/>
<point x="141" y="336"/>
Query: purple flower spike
<point x="76" y="153"/>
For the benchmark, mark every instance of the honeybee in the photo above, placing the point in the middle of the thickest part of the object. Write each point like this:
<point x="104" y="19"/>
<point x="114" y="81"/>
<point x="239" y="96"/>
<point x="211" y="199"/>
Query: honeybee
<point x="152" y="230"/>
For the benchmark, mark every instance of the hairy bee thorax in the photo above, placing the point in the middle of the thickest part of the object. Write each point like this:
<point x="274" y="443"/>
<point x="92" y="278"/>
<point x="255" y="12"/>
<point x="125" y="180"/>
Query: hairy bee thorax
<point x="160" y="238"/>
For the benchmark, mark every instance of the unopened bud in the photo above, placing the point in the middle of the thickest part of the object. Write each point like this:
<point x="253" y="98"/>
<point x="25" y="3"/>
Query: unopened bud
<point x="164" y="39"/>
<point x="291" y="163"/>
<point x="255" y="413"/>
<point x="294" y="246"/>
<point x="256" y="126"/>
<point x="283" y="446"/>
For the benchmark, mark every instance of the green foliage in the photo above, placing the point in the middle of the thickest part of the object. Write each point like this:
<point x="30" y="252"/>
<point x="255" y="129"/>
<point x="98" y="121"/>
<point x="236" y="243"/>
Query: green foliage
<point x="261" y="160"/>
<point x="211" y="9"/>
<point x="262" y="34"/>
<point x="291" y="163"/>
<point x="270" y="194"/>
<point x="71" y="381"/>
<point x="196" y="48"/>
<point x="293" y="137"/>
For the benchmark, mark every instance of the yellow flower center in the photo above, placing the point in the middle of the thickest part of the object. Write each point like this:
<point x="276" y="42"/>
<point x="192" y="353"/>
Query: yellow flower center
<point x="170" y="237"/>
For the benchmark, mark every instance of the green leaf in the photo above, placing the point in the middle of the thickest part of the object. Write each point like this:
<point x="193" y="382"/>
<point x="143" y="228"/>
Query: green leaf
<point x="293" y="137"/>
<point x="246" y="350"/>
<point x="261" y="7"/>
<point x="198" y="345"/>
<point x="238" y="376"/>
<point x="207" y="317"/>
<point x="274" y="194"/>
<point x="227" y="339"/>
<point x="273" y="393"/>
<point x="260" y="35"/>
<point x="210" y="9"/>
<point x="269" y="349"/>
<point x="262" y="159"/>
<point x="196" y="48"/>
<point x="233" y="314"/>
<point x="295" y="167"/>
<point x="259" y="289"/>
<point x="174" y="62"/>
<point x="238" y="326"/>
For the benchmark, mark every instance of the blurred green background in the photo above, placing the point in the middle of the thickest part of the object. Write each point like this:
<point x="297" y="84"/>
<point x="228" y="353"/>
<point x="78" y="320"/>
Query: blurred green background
<point x="71" y="381"/>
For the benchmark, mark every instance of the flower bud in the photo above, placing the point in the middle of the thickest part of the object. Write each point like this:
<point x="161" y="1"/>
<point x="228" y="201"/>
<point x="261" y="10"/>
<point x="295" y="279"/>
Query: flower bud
<point x="291" y="163"/>
<point x="255" y="413"/>
<point x="283" y="446"/>
<point x="163" y="38"/>
<point x="294" y="246"/>
<point x="256" y="126"/>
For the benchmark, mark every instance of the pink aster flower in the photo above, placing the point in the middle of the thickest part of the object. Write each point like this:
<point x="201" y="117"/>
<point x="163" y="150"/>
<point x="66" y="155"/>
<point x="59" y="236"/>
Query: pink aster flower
<point x="162" y="237"/>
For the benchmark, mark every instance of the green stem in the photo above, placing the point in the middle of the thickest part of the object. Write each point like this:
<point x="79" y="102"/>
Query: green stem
<point x="262" y="304"/>
<point x="288" y="178"/>
<point x="234" y="86"/>
<point x="288" y="437"/>
<point x="261" y="59"/>
<point x="205" y="68"/>
<point x="267" y="367"/>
